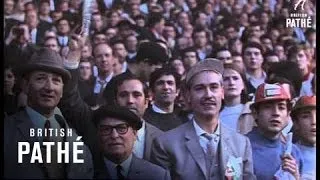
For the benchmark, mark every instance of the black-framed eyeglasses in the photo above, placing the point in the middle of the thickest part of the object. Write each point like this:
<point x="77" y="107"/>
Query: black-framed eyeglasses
<point x="120" y="128"/>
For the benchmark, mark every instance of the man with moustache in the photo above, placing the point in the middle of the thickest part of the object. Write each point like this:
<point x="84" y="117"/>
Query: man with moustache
<point x="204" y="148"/>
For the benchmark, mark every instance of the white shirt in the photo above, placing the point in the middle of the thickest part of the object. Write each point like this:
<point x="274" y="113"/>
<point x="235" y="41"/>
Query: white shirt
<point x="230" y="115"/>
<point x="306" y="88"/>
<point x="33" y="34"/>
<point x="132" y="55"/>
<point x="254" y="81"/>
<point x="309" y="161"/>
<point x="112" y="167"/>
<point x="204" y="141"/>
<point x="124" y="67"/>
<point x="138" y="147"/>
<point x="155" y="108"/>
<point x="97" y="86"/>
<point x="108" y="3"/>
<point x="63" y="40"/>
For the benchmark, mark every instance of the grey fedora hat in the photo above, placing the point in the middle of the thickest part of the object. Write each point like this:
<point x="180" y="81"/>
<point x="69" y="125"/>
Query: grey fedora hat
<point x="46" y="60"/>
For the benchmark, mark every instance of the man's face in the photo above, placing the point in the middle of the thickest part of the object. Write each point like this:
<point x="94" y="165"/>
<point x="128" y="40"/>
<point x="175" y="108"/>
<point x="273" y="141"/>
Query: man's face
<point x="52" y="44"/>
<point x="131" y="43"/>
<point x="31" y="19"/>
<point x="56" y="15"/>
<point x="253" y="58"/>
<point x="85" y="70"/>
<point x="103" y="57"/>
<point x="224" y="56"/>
<point x="169" y="32"/>
<point x="190" y="59"/>
<point x="45" y="8"/>
<point x="120" y="51"/>
<point x="255" y="31"/>
<point x="85" y="52"/>
<point x="44" y="90"/>
<point x="63" y="27"/>
<point x="231" y="33"/>
<point x="200" y="39"/>
<point x="279" y="50"/>
<point x="183" y="19"/>
<point x="110" y="33"/>
<point x="116" y="145"/>
<point x="165" y="90"/>
<point x="130" y="94"/>
<point x="232" y="83"/>
<point x="267" y="43"/>
<point x="238" y="61"/>
<point x="272" y="116"/>
<point x="178" y="66"/>
<point x="114" y="19"/>
<point x="206" y="93"/>
<point x="306" y="126"/>
<point x="97" y="21"/>
<point x="99" y="38"/>
<point x="302" y="60"/>
<point x="8" y="7"/>
<point x="9" y="80"/>
<point x="221" y="41"/>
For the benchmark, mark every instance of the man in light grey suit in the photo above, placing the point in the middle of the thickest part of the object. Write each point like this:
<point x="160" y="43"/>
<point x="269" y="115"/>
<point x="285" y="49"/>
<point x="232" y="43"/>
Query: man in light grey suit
<point x="117" y="131"/>
<point x="44" y="78"/>
<point x="204" y="148"/>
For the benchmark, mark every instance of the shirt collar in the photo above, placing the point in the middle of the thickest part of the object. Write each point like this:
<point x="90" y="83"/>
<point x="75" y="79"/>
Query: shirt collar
<point x="124" y="66"/>
<point x="200" y="131"/>
<point x="248" y="76"/>
<point x="108" y="78"/>
<point x="125" y="165"/>
<point x="141" y="132"/>
<point x="155" y="108"/>
<point x="37" y="119"/>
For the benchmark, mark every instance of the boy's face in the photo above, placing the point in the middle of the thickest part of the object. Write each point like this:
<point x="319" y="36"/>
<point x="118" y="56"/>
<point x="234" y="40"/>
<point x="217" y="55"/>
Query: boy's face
<point x="305" y="124"/>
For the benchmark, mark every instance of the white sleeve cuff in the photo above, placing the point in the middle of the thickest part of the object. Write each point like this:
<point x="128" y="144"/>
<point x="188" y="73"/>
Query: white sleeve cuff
<point x="71" y="65"/>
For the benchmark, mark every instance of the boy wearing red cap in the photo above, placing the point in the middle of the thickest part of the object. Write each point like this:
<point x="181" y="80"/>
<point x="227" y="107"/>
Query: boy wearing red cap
<point x="271" y="109"/>
<point x="304" y="118"/>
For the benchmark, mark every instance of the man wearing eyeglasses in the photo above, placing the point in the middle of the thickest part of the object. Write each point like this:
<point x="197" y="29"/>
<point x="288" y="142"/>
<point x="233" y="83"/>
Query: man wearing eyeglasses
<point x="117" y="131"/>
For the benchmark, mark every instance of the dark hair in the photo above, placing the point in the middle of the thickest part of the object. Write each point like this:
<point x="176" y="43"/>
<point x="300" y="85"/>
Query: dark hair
<point x="288" y="70"/>
<point x="154" y="18"/>
<point x="253" y="45"/>
<point x="190" y="49"/>
<point x="158" y="73"/>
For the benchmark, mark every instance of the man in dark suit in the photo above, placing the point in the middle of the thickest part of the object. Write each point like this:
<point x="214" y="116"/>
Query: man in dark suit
<point x="44" y="78"/>
<point x="204" y="148"/>
<point x="117" y="133"/>
<point x="37" y="27"/>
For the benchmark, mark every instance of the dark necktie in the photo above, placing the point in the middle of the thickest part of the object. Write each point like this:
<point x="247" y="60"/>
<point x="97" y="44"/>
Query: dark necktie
<point x="46" y="126"/>
<point x="119" y="174"/>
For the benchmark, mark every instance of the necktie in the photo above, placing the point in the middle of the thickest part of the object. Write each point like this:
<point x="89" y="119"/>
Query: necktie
<point x="46" y="126"/>
<point x="119" y="174"/>
<point x="210" y="148"/>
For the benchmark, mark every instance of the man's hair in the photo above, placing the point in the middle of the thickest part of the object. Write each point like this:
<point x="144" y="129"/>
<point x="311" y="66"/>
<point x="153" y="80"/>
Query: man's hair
<point x="293" y="50"/>
<point x="154" y="18"/>
<point x="189" y="49"/>
<point x="158" y="73"/>
<point x="112" y="88"/>
<point x="253" y="45"/>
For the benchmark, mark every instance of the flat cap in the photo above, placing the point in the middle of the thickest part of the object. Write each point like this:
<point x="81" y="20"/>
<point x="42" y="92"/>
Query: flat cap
<point x="118" y="112"/>
<point x="209" y="64"/>
<point x="46" y="60"/>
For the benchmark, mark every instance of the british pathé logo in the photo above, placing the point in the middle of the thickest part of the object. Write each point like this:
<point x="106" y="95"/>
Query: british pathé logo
<point x="300" y="20"/>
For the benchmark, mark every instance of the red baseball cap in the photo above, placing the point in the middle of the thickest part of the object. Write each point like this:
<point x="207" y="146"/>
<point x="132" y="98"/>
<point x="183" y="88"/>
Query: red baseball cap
<point x="304" y="102"/>
<point x="267" y="92"/>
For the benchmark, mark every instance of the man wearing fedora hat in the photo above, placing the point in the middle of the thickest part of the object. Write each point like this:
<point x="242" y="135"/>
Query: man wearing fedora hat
<point x="44" y="78"/>
<point x="204" y="148"/>
<point x="117" y="132"/>
<point x="271" y="111"/>
<point x="303" y="115"/>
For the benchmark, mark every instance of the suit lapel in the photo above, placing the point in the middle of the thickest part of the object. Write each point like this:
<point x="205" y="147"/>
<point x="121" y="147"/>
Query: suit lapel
<point x="193" y="145"/>
<point x="24" y="124"/>
<point x="148" y="141"/>
<point x="134" y="172"/>
<point x="225" y="149"/>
